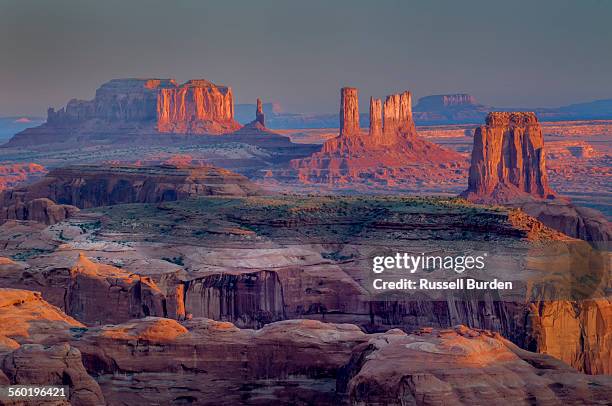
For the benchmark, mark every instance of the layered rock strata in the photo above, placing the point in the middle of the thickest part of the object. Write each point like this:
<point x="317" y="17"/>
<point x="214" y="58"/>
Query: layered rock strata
<point x="138" y="107"/>
<point x="52" y="199"/>
<point x="200" y="361"/>
<point x="196" y="107"/>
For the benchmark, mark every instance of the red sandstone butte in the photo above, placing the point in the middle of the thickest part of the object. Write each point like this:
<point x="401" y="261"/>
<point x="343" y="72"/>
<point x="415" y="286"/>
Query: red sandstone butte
<point x="508" y="160"/>
<point x="197" y="106"/>
<point x="390" y="153"/>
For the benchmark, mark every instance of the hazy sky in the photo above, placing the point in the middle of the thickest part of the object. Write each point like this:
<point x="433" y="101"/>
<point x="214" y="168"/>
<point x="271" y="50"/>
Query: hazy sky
<point x="299" y="53"/>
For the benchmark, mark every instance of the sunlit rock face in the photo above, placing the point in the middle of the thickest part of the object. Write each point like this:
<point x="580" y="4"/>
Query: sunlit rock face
<point x="197" y="106"/>
<point x="390" y="153"/>
<point x="349" y="111"/>
<point x="508" y="159"/>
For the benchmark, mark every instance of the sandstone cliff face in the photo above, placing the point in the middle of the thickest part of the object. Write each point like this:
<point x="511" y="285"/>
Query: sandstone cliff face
<point x="41" y="210"/>
<point x="27" y="321"/>
<point x="201" y="361"/>
<point x="117" y="100"/>
<point x="390" y="154"/>
<point x="196" y="107"/>
<point x="508" y="160"/>
<point x="35" y="364"/>
<point x="376" y="124"/>
<point x="578" y="222"/>
<point x="379" y="372"/>
<point x="349" y="111"/>
<point x="98" y="185"/>
<point x="100" y="294"/>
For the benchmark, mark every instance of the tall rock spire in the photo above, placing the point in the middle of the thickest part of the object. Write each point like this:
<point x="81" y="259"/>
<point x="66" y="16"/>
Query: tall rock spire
<point x="375" y="118"/>
<point x="259" y="114"/>
<point x="349" y="111"/>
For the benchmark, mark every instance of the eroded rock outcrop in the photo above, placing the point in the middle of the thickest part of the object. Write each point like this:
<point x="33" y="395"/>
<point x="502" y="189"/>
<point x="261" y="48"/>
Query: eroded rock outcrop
<point x="41" y="210"/>
<point x="100" y="185"/>
<point x="128" y="107"/>
<point x="349" y="111"/>
<point x="390" y="154"/>
<point x="440" y="367"/>
<point x="35" y="364"/>
<point x="201" y="361"/>
<point x="27" y="322"/>
<point x="12" y="175"/>
<point x="100" y="293"/>
<point x="578" y="222"/>
<point x="508" y="160"/>
<point x="196" y="107"/>
<point x="259" y="113"/>
<point x="508" y="167"/>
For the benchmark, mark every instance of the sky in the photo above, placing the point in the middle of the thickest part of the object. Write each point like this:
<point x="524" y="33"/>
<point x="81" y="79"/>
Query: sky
<point x="299" y="53"/>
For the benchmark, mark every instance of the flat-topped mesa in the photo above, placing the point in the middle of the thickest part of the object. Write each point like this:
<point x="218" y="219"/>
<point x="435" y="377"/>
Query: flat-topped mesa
<point x="116" y="100"/>
<point x="259" y="114"/>
<point x="508" y="159"/>
<point x="376" y="125"/>
<point x="198" y="107"/>
<point x="349" y="111"/>
<point x="439" y="101"/>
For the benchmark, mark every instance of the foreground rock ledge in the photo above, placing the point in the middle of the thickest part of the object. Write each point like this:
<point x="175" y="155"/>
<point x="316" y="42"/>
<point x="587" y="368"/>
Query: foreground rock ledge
<point x="157" y="360"/>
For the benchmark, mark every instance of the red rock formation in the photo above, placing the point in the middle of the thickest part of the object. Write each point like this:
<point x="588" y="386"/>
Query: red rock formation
<point x="578" y="222"/>
<point x="42" y="210"/>
<point x="197" y="107"/>
<point x="135" y="107"/>
<point x="100" y="294"/>
<point x="259" y="114"/>
<point x="376" y="126"/>
<point x="156" y="360"/>
<point x="441" y="367"/>
<point x="508" y="160"/>
<point x="391" y="154"/>
<point x="397" y="117"/>
<point x="56" y="365"/>
<point x="12" y="175"/>
<point x="349" y="111"/>
<point x="128" y="100"/>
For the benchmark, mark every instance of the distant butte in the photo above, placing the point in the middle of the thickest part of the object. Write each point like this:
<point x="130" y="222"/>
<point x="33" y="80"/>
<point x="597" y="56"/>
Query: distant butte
<point x="508" y="160"/>
<point x="390" y="153"/>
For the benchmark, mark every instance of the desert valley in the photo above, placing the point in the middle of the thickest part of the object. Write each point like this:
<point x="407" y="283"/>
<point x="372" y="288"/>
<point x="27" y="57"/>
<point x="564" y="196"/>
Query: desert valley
<point x="372" y="203"/>
<point x="156" y="251"/>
